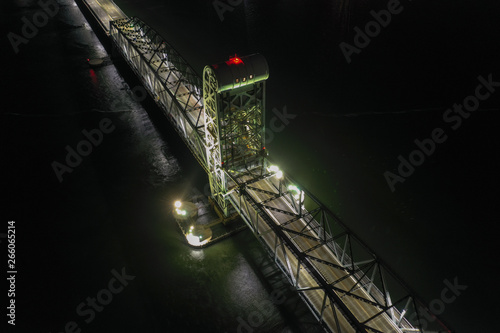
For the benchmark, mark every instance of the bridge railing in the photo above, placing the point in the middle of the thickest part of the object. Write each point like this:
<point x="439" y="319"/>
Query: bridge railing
<point x="310" y="226"/>
<point x="167" y="77"/>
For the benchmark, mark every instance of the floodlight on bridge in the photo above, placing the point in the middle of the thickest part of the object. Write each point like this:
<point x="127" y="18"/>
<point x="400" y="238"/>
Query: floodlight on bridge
<point x="296" y="192"/>
<point x="180" y="211"/>
<point x="277" y="172"/>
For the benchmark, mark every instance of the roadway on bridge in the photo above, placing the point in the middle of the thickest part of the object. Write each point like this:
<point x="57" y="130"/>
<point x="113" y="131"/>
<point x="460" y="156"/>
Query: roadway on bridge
<point x="360" y="309"/>
<point x="104" y="11"/>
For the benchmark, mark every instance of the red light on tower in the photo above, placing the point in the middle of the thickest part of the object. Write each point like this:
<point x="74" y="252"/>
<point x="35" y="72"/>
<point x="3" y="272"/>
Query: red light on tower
<point x="234" y="61"/>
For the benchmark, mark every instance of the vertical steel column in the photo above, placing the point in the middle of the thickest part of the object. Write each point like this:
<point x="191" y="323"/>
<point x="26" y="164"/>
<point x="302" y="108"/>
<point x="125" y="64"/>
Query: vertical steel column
<point x="234" y="95"/>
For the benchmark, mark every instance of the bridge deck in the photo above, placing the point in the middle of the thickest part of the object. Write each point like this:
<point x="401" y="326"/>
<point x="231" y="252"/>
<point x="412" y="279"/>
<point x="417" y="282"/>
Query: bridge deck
<point x="281" y="210"/>
<point x="104" y="11"/>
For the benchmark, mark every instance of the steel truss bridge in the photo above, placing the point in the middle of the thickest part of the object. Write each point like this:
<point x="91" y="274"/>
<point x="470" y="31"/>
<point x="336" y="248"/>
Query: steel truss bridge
<point x="221" y="117"/>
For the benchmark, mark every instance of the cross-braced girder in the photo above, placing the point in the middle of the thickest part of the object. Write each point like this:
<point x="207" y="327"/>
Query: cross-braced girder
<point x="344" y="283"/>
<point x="167" y="77"/>
<point x="217" y="176"/>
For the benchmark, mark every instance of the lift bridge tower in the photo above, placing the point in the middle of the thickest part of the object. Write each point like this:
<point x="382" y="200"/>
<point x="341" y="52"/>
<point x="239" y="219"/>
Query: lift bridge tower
<point x="234" y="96"/>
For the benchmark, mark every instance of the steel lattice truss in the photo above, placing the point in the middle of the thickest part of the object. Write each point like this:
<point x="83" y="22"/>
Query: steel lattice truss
<point x="216" y="175"/>
<point x="242" y="128"/>
<point x="345" y="284"/>
<point x="168" y="78"/>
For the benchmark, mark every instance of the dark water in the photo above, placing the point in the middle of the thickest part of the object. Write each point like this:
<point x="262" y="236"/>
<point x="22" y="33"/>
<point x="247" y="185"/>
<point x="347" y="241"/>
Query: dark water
<point x="351" y="123"/>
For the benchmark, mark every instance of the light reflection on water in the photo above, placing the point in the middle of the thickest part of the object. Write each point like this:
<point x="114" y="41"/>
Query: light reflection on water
<point x="242" y="282"/>
<point x="198" y="255"/>
<point x="164" y="167"/>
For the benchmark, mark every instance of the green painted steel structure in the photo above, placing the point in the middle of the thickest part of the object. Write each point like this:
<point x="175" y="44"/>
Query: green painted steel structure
<point x="234" y="97"/>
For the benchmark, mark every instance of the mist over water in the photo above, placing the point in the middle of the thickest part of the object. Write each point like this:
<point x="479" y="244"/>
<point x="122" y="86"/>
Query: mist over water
<point x="352" y="122"/>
